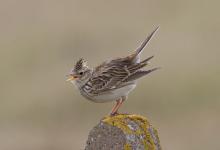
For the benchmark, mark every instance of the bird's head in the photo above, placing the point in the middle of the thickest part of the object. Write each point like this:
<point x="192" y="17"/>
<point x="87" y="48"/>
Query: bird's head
<point x="80" y="72"/>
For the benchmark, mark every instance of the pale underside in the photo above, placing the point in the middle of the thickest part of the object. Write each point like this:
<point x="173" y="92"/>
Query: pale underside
<point x="111" y="95"/>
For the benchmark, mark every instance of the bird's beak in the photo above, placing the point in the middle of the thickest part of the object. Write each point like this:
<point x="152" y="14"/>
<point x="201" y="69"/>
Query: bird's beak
<point x="71" y="77"/>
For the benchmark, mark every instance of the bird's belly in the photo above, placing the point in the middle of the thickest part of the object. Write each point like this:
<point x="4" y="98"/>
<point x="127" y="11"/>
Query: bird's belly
<point x="113" y="95"/>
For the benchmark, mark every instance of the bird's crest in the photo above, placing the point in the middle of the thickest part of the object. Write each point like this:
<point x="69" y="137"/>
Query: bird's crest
<point x="81" y="63"/>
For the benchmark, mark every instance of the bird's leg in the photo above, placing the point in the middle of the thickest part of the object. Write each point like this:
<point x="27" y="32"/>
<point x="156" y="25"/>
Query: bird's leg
<point x="113" y="112"/>
<point x="117" y="106"/>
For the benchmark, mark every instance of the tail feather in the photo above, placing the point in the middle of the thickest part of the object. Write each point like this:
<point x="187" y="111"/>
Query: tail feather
<point x="146" y="60"/>
<point x="139" y="74"/>
<point x="139" y="65"/>
<point x="144" y="43"/>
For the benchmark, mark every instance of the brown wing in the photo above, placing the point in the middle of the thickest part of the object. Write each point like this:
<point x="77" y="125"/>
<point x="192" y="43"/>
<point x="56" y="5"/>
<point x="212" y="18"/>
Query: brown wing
<point x="113" y="74"/>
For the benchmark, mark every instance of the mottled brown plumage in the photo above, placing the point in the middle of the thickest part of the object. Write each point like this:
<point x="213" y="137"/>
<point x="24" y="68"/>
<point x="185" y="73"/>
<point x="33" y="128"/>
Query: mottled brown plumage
<point x="113" y="79"/>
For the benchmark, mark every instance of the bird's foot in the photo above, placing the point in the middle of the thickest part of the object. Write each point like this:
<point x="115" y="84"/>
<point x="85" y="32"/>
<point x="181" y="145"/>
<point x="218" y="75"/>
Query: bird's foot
<point x="114" y="114"/>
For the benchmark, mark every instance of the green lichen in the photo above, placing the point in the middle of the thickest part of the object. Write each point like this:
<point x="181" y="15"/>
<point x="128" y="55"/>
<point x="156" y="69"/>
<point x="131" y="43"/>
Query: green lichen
<point x="119" y="121"/>
<point x="127" y="147"/>
<point x="141" y="128"/>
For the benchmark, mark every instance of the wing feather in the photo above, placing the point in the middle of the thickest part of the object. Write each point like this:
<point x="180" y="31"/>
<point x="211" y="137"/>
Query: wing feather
<point x="113" y="74"/>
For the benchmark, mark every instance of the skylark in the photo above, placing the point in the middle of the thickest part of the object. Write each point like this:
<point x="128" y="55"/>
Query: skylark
<point x="113" y="80"/>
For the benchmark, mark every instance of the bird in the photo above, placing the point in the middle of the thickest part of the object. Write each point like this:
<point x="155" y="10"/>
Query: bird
<point x="113" y="79"/>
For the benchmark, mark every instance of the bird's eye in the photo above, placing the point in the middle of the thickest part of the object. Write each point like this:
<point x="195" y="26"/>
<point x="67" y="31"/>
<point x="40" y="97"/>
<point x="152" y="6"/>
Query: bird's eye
<point x="81" y="73"/>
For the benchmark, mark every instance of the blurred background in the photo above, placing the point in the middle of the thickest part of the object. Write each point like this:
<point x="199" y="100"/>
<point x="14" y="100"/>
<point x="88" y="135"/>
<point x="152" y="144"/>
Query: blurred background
<point x="40" y="40"/>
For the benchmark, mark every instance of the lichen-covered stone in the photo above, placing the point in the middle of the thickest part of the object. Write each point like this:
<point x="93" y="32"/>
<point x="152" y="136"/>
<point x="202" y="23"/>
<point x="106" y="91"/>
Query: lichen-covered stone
<point x="123" y="132"/>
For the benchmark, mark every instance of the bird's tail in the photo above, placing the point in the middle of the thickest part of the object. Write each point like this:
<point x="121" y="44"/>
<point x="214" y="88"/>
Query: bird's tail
<point x="145" y="42"/>
<point x="137" y="66"/>
<point x="136" y="55"/>
<point x="140" y="73"/>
